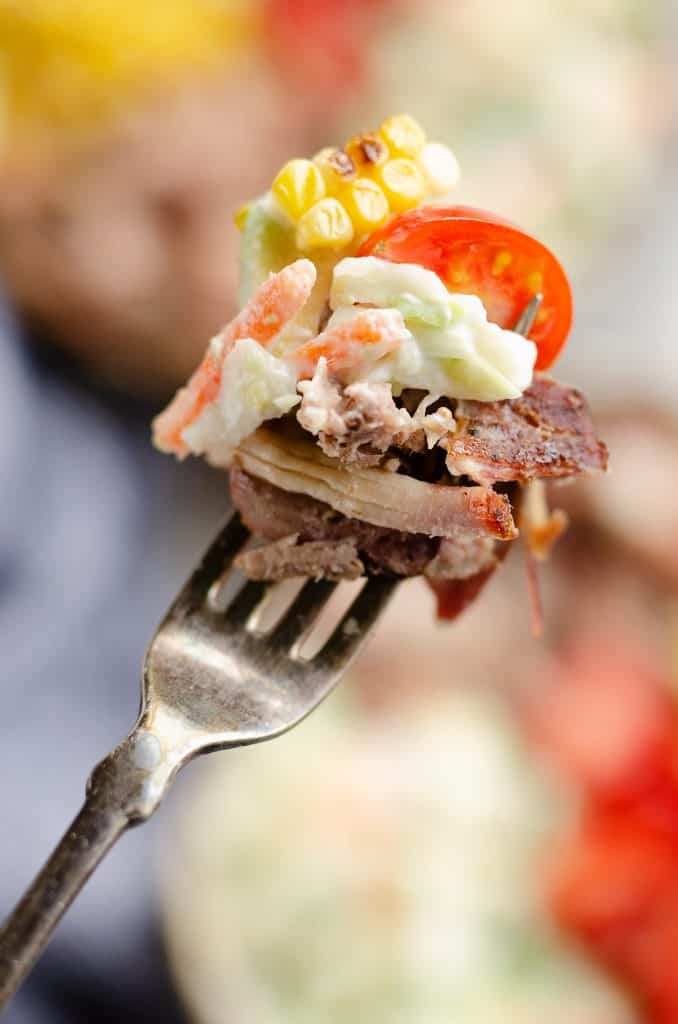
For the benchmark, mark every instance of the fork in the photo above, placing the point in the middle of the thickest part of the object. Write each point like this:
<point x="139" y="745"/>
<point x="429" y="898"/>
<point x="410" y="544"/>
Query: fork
<point x="212" y="679"/>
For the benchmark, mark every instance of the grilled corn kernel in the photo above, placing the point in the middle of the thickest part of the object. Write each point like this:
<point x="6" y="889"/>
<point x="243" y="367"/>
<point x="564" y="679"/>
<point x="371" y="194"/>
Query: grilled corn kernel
<point x="298" y="186"/>
<point x="403" y="183"/>
<point x="326" y="225"/>
<point x="403" y="135"/>
<point x="336" y="167"/>
<point x="365" y="203"/>
<point x="367" y="152"/>
<point x="439" y="166"/>
<point x="240" y="215"/>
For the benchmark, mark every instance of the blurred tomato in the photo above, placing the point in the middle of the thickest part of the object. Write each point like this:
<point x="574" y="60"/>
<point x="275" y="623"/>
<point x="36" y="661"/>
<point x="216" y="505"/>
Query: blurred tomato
<point x="322" y="44"/>
<point x="610" y="725"/>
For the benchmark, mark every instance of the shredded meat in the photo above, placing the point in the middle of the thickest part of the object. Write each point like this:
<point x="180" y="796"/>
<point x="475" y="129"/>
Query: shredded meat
<point x="275" y="514"/>
<point x="355" y="424"/>
<point x="547" y="432"/>
<point x="358" y="423"/>
<point x="284" y="558"/>
<point x="330" y="509"/>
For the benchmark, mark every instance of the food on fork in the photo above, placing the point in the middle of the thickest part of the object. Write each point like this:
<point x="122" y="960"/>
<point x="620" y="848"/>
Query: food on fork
<point x="380" y="399"/>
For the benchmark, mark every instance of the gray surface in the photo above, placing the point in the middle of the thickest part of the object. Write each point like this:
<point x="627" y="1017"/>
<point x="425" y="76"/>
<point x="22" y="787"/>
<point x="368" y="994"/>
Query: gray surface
<point x="71" y="472"/>
<point x="624" y="345"/>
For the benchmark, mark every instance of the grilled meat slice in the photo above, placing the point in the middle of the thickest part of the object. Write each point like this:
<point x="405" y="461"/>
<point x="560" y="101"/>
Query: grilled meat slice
<point x="547" y="432"/>
<point x="376" y="496"/>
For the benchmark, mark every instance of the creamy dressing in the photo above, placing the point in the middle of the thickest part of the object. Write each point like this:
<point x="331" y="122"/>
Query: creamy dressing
<point x="448" y="349"/>
<point x="453" y="349"/>
<point x="255" y="386"/>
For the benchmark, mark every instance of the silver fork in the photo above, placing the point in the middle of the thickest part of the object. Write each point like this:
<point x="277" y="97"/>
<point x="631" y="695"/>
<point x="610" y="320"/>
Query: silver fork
<point x="211" y="680"/>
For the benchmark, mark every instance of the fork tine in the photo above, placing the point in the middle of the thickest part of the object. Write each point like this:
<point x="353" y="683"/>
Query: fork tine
<point x="301" y="614"/>
<point x="525" y="321"/>
<point x="218" y="556"/>
<point x="356" y="622"/>
<point x="244" y="603"/>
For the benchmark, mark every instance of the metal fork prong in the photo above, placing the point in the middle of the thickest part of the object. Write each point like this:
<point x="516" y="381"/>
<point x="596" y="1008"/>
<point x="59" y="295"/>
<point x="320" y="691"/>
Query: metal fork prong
<point x="525" y="321"/>
<point x="356" y="622"/>
<point x="301" y="615"/>
<point x="244" y="603"/>
<point x="216" y="559"/>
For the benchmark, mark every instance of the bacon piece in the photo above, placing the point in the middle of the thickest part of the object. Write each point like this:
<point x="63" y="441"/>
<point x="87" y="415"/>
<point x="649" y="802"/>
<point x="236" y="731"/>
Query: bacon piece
<point x="547" y="432"/>
<point x="375" y="495"/>
<point x="459" y="590"/>
<point x="453" y="596"/>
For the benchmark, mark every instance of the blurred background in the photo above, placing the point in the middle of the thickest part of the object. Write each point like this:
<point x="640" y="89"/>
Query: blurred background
<point x="478" y="826"/>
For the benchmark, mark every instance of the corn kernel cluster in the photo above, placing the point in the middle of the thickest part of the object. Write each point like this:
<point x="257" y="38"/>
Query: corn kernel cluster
<point x="342" y="194"/>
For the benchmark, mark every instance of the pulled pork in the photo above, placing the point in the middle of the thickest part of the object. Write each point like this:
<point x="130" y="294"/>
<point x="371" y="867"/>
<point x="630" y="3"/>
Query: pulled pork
<point x="307" y="536"/>
<point x="355" y="424"/>
<point x="357" y="499"/>
<point x="285" y="558"/>
<point x="546" y="432"/>
<point x="375" y="496"/>
<point x="358" y="423"/>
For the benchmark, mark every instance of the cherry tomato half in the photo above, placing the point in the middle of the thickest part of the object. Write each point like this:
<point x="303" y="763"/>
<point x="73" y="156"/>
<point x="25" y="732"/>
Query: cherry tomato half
<point x="478" y="253"/>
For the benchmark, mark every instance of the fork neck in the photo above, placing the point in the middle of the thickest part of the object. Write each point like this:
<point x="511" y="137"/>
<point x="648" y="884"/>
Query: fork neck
<point x="134" y="777"/>
<point x="123" y="790"/>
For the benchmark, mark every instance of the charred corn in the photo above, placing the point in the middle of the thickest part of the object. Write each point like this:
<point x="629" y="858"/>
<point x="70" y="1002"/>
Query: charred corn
<point x="336" y="167"/>
<point x="344" y="193"/>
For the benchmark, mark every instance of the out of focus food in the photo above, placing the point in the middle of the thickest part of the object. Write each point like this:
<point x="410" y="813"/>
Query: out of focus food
<point x="610" y="723"/>
<point x="125" y="143"/>
<point x="560" y="113"/>
<point x="377" y="869"/>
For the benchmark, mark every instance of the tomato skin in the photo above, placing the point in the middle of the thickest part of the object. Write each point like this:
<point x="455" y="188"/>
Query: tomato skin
<point x="476" y="252"/>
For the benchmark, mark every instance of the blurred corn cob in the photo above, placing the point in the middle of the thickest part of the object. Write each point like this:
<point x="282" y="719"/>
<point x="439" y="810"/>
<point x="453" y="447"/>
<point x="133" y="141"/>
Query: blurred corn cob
<point x="71" y="65"/>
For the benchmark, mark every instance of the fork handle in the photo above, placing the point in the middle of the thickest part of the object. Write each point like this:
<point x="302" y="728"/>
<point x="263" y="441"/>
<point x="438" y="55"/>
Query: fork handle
<point x="123" y="790"/>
